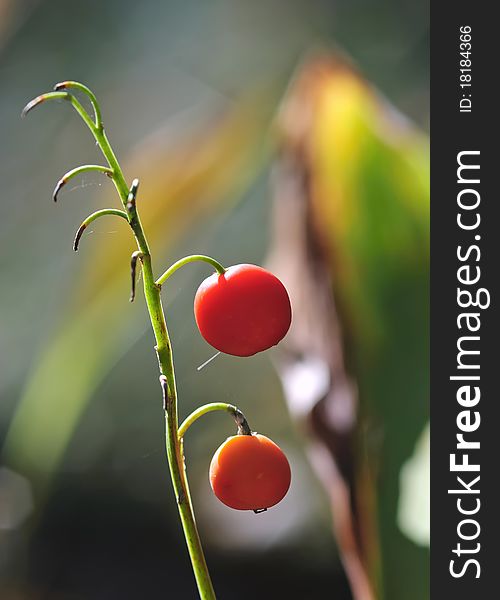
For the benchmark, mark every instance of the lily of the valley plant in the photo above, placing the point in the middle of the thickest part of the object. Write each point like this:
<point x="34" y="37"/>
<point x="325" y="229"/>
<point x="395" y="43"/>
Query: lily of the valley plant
<point x="241" y="310"/>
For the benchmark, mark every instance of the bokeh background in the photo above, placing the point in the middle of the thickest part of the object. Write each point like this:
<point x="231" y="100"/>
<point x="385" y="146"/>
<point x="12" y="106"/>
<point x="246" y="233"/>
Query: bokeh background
<point x="287" y="131"/>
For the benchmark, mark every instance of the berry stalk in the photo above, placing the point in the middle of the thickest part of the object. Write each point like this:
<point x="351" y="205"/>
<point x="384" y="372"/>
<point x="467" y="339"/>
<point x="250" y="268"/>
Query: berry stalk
<point x="238" y="416"/>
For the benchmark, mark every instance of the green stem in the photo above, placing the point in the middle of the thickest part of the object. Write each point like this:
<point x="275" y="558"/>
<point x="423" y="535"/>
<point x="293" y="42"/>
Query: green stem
<point x="153" y="301"/>
<point x="166" y="366"/>
<point x="238" y="416"/>
<point x="188" y="259"/>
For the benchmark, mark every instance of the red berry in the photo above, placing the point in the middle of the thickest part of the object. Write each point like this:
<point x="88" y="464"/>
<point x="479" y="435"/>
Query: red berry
<point x="249" y="472"/>
<point x="245" y="311"/>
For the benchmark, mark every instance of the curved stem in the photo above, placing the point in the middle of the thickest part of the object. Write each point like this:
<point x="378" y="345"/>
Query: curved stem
<point x="238" y="416"/>
<point x="43" y="98"/>
<point x="77" y="105"/>
<point x="83" y="88"/>
<point x="93" y="217"/>
<point x="74" y="172"/>
<point x="165" y="362"/>
<point x="189" y="259"/>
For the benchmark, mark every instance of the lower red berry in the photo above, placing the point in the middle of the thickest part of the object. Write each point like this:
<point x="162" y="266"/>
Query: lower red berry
<point x="250" y="472"/>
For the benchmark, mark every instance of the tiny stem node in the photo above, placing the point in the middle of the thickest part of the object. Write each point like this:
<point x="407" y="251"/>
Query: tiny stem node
<point x="133" y="267"/>
<point x="132" y="195"/>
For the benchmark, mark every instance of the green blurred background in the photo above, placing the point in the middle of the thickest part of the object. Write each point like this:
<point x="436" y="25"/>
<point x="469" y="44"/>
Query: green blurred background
<point x="190" y="91"/>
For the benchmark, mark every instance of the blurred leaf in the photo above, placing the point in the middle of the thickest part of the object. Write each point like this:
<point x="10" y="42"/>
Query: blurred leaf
<point x="351" y="243"/>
